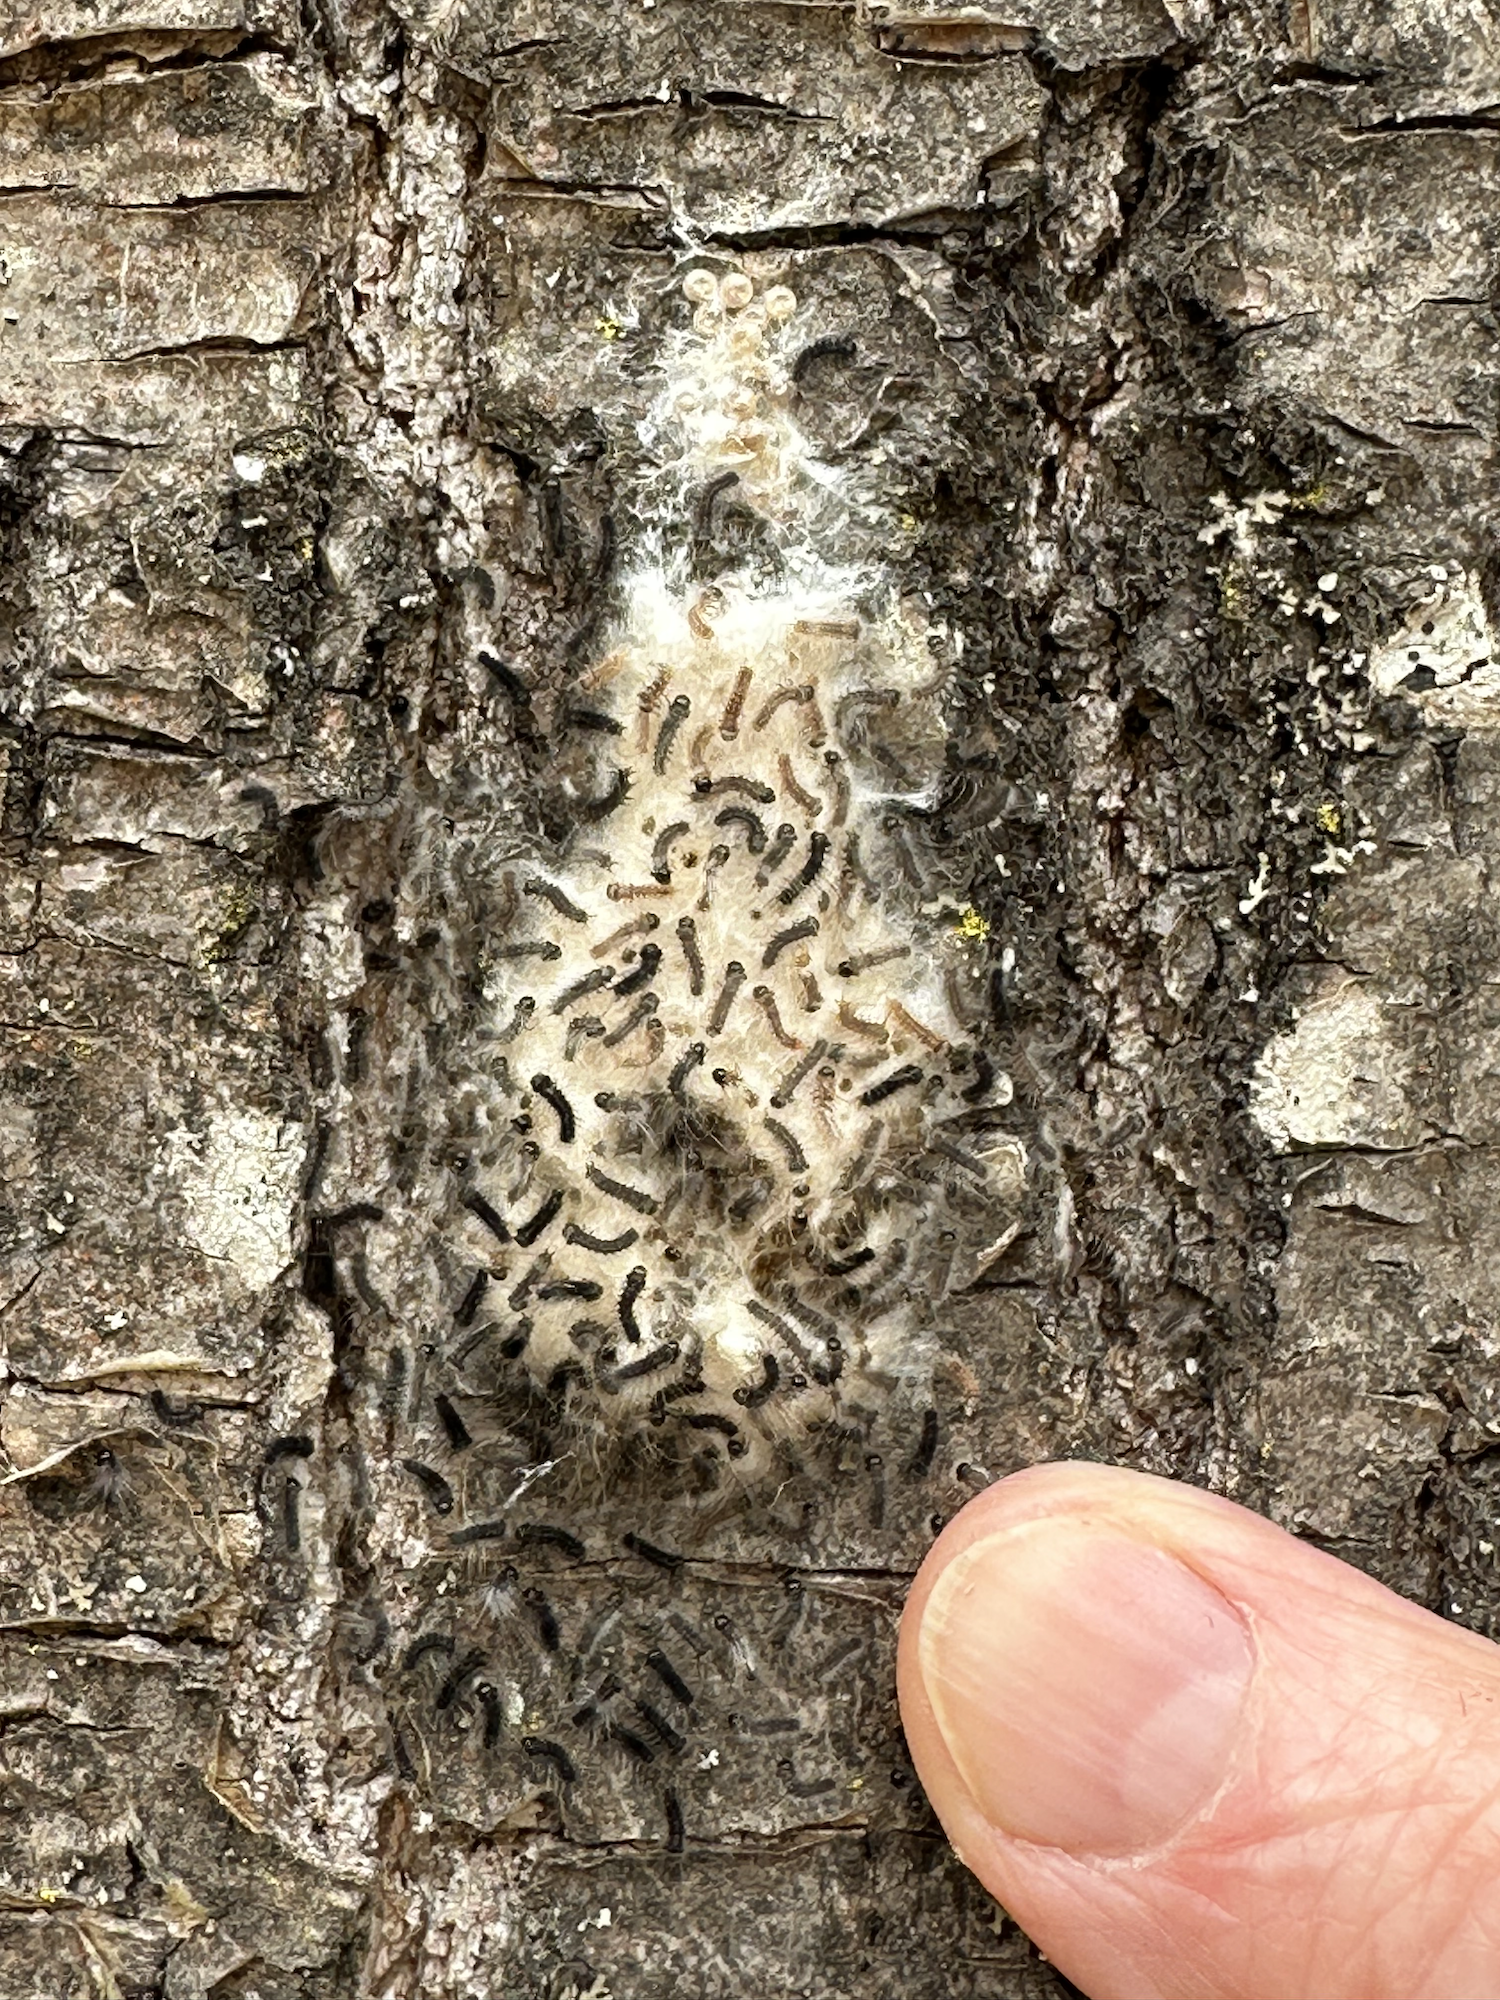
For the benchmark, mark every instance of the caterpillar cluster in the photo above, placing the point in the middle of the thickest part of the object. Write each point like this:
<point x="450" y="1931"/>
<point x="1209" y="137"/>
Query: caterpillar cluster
<point x="725" y="1051"/>
<point x="627" y="1689"/>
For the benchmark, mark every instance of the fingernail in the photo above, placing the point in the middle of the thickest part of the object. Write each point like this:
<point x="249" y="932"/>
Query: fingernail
<point x="1088" y="1687"/>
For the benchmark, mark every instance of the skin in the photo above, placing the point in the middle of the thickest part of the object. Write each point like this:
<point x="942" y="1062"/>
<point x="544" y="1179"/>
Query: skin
<point x="1348" y="1849"/>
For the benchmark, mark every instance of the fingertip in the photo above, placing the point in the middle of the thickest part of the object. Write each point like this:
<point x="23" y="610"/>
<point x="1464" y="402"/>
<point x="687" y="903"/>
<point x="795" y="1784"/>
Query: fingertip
<point x="1083" y="1682"/>
<point x="1157" y="1727"/>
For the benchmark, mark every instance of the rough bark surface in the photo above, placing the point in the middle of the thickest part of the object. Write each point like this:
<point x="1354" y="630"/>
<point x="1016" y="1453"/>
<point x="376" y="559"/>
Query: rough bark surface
<point x="1151" y="347"/>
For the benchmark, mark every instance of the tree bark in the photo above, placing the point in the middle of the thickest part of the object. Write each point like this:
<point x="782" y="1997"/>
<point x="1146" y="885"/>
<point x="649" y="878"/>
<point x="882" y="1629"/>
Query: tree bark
<point x="1040" y="455"/>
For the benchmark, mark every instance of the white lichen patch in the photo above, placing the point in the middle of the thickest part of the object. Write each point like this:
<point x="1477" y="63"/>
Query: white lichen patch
<point x="237" y="1184"/>
<point x="727" y="1022"/>
<point x="1444" y="642"/>
<point x="1341" y="1077"/>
